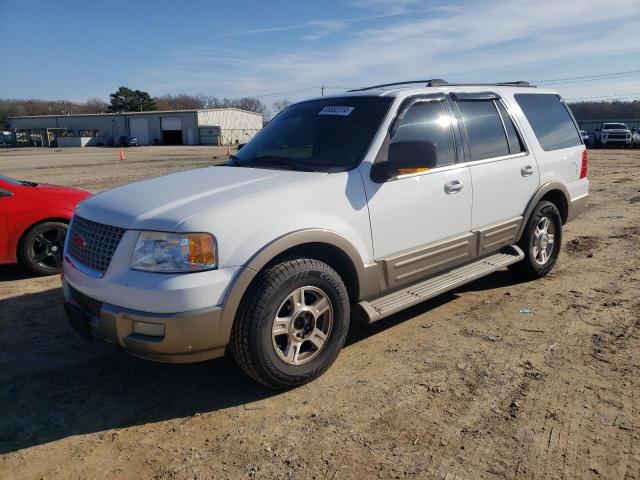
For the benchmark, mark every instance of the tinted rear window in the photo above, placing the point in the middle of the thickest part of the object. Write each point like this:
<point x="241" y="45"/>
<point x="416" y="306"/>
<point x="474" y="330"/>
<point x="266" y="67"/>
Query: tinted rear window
<point x="487" y="138"/>
<point x="515" y="142"/>
<point x="550" y="120"/>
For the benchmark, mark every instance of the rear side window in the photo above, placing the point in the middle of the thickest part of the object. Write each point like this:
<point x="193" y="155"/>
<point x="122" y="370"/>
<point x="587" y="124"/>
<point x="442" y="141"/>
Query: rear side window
<point x="486" y="134"/>
<point x="428" y="121"/>
<point x="515" y="142"/>
<point x="550" y="120"/>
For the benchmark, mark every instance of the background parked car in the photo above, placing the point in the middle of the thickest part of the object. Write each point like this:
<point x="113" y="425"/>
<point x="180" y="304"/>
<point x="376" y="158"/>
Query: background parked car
<point x="612" y="134"/>
<point x="635" y="137"/>
<point x="125" y="141"/>
<point x="33" y="223"/>
<point x="585" y="137"/>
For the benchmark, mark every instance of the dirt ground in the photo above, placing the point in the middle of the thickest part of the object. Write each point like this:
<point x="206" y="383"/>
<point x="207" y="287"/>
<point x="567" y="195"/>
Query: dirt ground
<point x="498" y="379"/>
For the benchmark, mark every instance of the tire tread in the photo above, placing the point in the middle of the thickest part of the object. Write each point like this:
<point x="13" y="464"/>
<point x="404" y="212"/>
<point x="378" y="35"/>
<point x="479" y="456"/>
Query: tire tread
<point x="248" y="320"/>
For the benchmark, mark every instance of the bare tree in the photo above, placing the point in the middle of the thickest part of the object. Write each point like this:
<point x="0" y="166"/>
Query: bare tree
<point x="179" y="102"/>
<point x="615" y="110"/>
<point x="280" y="105"/>
<point x="250" y="104"/>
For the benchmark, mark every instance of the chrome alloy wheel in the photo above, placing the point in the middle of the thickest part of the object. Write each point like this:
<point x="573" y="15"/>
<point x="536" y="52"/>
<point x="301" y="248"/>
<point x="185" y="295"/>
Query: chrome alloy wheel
<point x="543" y="240"/>
<point x="302" y="325"/>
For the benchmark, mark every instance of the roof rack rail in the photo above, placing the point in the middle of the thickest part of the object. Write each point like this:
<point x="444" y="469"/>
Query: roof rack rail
<point x="438" y="82"/>
<point x="433" y="82"/>
<point x="518" y="83"/>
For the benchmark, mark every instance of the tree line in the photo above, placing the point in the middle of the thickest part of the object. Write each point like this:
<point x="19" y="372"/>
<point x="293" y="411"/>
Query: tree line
<point x="613" y="110"/>
<point x="128" y="100"/>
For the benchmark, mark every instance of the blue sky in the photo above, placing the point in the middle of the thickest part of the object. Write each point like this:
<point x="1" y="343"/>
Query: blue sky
<point x="77" y="50"/>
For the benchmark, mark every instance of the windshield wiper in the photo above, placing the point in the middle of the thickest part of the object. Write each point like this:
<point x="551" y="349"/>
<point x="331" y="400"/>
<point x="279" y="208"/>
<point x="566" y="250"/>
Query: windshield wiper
<point x="274" y="160"/>
<point x="28" y="184"/>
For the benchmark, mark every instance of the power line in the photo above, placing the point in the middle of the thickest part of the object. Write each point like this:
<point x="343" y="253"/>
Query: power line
<point x="554" y="81"/>
<point x="286" y="92"/>
<point x="588" y="78"/>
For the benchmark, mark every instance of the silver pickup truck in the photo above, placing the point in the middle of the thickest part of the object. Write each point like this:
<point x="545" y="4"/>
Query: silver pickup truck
<point x="613" y="134"/>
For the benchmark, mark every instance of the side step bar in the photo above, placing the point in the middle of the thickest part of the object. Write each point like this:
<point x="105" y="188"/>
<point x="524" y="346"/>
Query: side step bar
<point x="412" y="295"/>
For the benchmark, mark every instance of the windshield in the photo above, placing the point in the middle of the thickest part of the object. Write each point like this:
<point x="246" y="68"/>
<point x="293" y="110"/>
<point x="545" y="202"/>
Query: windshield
<point x="615" y="126"/>
<point x="329" y="135"/>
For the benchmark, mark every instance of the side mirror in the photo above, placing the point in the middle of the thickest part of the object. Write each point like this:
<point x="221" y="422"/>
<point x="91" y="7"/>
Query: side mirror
<point x="406" y="157"/>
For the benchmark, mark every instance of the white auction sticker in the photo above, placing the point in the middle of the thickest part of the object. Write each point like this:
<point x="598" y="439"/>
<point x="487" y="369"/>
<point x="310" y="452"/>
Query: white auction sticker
<point x="336" y="110"/>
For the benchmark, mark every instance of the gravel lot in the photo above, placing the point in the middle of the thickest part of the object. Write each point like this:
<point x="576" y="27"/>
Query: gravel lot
<point x="461" y="387"/>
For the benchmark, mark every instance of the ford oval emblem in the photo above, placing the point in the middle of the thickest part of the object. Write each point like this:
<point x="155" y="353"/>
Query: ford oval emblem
<point x="78" y="242"/>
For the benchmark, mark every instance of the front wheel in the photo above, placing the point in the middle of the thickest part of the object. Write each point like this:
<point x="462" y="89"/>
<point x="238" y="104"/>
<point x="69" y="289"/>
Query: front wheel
<point x="292" y="323"/>
<point x="540" y="242"/>
<point x="42" y="247"/>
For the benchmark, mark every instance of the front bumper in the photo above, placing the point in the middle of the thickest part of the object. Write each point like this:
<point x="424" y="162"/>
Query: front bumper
<point x="190" y="336"/>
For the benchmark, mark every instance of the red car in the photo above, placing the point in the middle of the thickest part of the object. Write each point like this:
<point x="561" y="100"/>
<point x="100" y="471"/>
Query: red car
<point x="33" y="223"/>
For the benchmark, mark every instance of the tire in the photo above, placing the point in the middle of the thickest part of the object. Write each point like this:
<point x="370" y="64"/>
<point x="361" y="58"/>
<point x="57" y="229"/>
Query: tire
<point x="539" y="255"/>
<point x="278" y="328"/>
<point x="42" y="247"/>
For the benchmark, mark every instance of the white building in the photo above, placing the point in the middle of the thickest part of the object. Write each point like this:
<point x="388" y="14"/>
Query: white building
<point x="216" y="126"/>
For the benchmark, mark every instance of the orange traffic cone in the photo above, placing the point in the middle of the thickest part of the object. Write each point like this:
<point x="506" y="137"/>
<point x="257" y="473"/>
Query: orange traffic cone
<point x="121" y="154"/>
<point x="228" y="150"/>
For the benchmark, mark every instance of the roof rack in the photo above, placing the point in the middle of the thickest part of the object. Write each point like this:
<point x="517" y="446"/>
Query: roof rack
<point x="438" y="82"/>
<point x="518" y="83"/>
<point x="434" y="82"/>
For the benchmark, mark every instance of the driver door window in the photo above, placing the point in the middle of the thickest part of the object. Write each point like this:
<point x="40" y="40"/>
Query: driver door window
<point x="428" y="121"/>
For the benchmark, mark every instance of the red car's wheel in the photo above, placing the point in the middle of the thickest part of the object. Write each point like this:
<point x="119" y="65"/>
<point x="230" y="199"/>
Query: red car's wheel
<point x="42" y="248"/>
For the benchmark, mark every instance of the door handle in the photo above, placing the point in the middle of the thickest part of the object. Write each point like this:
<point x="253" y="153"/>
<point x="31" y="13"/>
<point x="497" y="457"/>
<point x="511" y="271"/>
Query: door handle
<point x="454" y="186"/>
<point x="526" y="171"/>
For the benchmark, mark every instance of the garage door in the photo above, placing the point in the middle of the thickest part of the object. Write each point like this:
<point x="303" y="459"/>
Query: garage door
<point x="139" y="128"/>
<point x="209" y="135"/>
<point x="171" y="130"/>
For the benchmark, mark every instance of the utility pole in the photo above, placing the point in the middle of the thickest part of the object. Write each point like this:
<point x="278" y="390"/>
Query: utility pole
<point x="322" y="90"/>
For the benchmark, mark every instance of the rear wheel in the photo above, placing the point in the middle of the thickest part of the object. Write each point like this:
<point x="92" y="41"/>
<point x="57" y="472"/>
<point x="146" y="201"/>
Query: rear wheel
<point x="540" y="242"/>
<point x="42" y="247"/>
<point x="292" y="323"/>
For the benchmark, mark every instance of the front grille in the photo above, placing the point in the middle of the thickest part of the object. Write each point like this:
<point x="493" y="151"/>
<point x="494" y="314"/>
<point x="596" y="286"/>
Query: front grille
<point x="88" y="304"/>
<point x="92" y="244"/>
<point x="617" y="136"/>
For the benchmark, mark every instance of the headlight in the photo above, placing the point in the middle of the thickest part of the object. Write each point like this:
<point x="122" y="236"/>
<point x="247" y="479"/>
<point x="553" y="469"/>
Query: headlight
<point x="174" y="252"/>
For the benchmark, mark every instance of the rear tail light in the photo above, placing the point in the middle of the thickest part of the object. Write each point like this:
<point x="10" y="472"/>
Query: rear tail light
<point x="583" y="167"/>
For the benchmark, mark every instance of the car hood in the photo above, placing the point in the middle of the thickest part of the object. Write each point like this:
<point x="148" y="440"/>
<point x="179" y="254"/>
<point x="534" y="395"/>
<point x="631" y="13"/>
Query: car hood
<point x="163" y="203"/>
<point x="49" y="189"/>
<point x="616" y="130"/>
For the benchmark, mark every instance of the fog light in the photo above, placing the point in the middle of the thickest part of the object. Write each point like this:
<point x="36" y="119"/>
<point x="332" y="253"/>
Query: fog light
<point x="149" y="329"/>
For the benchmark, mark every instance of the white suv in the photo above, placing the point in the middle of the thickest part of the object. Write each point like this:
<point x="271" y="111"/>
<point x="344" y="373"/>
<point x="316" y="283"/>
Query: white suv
<point x="358" y="205"/>
<point x="613" y="134"/>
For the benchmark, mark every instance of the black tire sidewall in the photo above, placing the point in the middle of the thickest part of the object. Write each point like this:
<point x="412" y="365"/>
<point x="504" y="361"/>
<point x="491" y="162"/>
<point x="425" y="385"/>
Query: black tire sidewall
<point x="543" y="209"/>
<point x="339" y="303"/>
<point x="251" y="338"/>
<point x="24" y="253"/>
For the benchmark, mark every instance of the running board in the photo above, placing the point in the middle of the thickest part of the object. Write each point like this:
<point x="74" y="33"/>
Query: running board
<point x="412" y="295"/>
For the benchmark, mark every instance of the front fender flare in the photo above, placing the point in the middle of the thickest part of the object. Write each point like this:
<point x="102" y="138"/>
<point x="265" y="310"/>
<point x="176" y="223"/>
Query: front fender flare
<point x="367" y="278"/>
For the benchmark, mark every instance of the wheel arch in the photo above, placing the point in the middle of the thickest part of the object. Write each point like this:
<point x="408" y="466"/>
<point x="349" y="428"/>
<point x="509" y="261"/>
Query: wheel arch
<point x="24" y="233"/>
<point x="324" y="245"/>
<point x="554" y="192"/>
